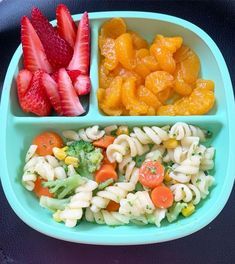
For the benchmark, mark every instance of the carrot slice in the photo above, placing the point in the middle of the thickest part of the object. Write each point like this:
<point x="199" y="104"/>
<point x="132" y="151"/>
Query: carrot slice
<point x="46" y="141"/>
<point x="105" y="172"/>
<point x="112" y="206"/>
<point x="104" y="142"/>
<point x="151" y="174"/>
<point x="162" y="197"/>
<point x="39" y="190"/>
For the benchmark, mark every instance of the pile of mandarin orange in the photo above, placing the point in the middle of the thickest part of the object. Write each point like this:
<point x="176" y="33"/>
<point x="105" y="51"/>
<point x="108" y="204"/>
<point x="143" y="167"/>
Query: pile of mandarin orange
<point x="136" y="78"/>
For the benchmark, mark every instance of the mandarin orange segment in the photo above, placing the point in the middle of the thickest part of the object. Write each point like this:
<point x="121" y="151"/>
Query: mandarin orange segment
<point x="190" y="67"/>
<point x="151" y="63"/>
<point x="107" y="49"/>
<point x="130" y="100"/>
<point x="125" y="51"/>
<point x="181" y="54"/>
<point x="171" y="43"/>
<point x="164" y="95"/>
<point x="113" y="28"/>
<point x="142" y="70"/>
<point x="164" y="57"/>
<point x="100" y="94"/>
<point x="138" y="41"/>
<point x="182" y="106"/>
<point x="205" y="84"/>
<point x="201" y="101"/>
<point x="113" y="93"/>
<point x="141" y="53"/>
<point x="111" y="112"/>
<point x="158" y="81"/>
<point x="104" y="77"/>
<point x="148" y="97"/>
<point x="166" y="110"/>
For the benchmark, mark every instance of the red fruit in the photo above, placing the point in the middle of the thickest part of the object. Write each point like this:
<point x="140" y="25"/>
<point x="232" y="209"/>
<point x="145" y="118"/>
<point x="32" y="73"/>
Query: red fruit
<point x="23" y="81"/>
<point x="58" y="51"/>
<point x="35" y="99"/>
<point x="55" y="75"/>
<point x="73" y="74"/>
<point x="66" y="27"/>
<point x="82" y="85"/>
<point x="70" y="103"/>
<point x="51" y="89"/>
<point x="81" y="55"/>
<point x="33" y="52"/>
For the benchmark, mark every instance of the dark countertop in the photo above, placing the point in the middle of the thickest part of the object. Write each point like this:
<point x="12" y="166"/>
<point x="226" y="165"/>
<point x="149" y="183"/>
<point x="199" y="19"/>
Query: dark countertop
<point x="19" y="244"/>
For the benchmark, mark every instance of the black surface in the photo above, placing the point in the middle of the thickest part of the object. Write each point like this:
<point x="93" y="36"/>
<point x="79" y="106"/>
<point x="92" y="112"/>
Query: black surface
<point x="213" y="244"/>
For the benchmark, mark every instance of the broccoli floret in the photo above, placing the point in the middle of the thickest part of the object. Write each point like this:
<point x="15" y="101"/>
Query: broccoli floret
<point x="77" y="146"/>
<point x="62" y="188"/>
<point x="89" y="157"/>
<point x="53" y="204"/>
<point x="94" y="159"/>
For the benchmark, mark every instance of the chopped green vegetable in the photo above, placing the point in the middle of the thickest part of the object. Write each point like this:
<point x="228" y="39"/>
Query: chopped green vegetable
<point x="53" y="204"/>
<point x="89" y="157"/>
<point x="62" y="188"/>
<point x="174" y="211"/>
<point x="208" y="133"/>
<point x="105" y="184"/>
<point x="139" y="160"/>
<point x="139" y="187"/>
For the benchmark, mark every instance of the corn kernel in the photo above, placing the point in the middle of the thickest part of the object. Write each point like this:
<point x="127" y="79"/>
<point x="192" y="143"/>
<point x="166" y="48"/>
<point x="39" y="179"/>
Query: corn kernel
<point x="170" y="143"/>
<point x="122" y="130"/>
<point x="59" y="153"/>
<point x="65" y="148"/>
<point x="187" y="211"/>
<point x="167" y="176"/>
<point x="71" y="161"/>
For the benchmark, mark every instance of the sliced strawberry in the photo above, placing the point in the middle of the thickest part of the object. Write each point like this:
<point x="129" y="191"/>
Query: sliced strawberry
<point x="55" y="75"/>
<point x="58" y="51"/>
<point x="52" y="92"/>
<point x="82" y="85"/>
<point x="81" y="55"/>
<point x="66" y="27"/>
<point x="73" y="74"/>
<point x="23" y="80"/>
<point x="33" y="51"/>
<point x="35" y="99"/>
<point x="70" y="103"/>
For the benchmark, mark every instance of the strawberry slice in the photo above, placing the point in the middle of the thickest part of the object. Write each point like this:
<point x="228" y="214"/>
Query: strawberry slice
<point x="58" y="51"/>
<point x="23" y="80"/>
<point x="73" y="74"/>
<point x="82" y="85"/>
<point x="81" y="55"/>
<point x="33" y="52"/>
<point x="70" y="103"/>
<point x="66" y="27"/>
<point x="55" y="75"/>
<point x="51" y="89"/>
<point x="33" y="99"/>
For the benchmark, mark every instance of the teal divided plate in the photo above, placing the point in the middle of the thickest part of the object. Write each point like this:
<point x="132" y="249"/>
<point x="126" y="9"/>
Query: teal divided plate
<point x="19" y="128"/>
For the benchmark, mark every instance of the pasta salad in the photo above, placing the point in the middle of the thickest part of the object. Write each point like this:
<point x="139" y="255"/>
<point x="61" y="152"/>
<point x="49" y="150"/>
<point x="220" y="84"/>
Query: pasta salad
<point x="119" y="175"/>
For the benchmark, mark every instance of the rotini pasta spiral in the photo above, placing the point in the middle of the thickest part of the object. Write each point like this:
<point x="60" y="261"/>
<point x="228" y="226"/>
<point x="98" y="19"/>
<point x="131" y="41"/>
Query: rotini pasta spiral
<point x="180" y="130"/>
<point x="157" y="216"/>
<point x="73" y="211"/>
<point x="88" y="134"/>
<point x="127" y="167"/>
<point x="124" y="145"/>
<point x="105" y="217"/>
<point x="186" y="193"/>
<point x="28" y="180"/>
<point x="31" y="152"/>
<point x="207" y="162"/>
<point x="137" y="204"/>
<point x="202" y="182"/>
<point x="115" y="193"/>
<point x="150" y="135"/>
